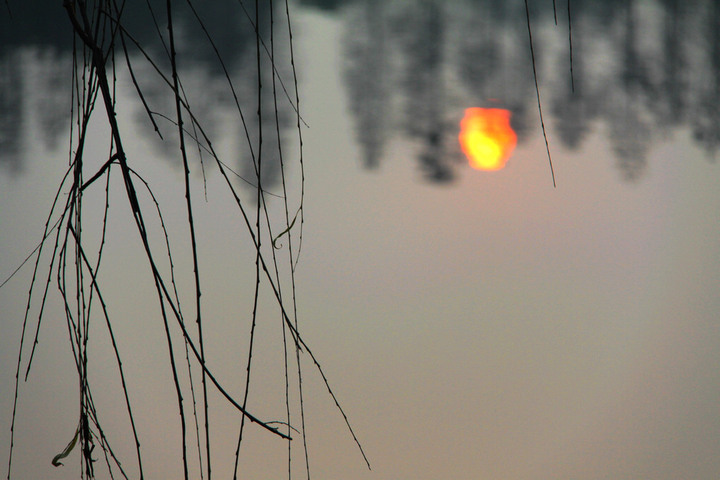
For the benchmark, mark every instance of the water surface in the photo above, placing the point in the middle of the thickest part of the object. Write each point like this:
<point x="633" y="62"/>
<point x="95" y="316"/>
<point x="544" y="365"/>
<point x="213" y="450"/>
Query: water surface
<point x="473" y="324"/>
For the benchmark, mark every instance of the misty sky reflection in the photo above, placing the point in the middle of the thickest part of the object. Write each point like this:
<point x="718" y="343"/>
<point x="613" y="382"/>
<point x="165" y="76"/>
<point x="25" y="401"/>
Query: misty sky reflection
<point x="640" y="73"/>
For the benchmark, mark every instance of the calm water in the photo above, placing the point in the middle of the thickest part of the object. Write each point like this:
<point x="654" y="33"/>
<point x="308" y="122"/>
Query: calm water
<point x="473" y="324"/>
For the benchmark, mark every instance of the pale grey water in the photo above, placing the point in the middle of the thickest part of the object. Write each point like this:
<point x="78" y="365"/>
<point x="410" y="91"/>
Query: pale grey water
<point x="473" y="324"/>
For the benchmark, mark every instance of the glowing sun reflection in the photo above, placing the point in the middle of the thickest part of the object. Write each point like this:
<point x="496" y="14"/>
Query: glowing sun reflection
<point x="487" y="138"/>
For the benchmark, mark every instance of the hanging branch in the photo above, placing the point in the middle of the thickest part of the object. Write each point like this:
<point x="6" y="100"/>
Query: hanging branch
<point x="98" y="30"/>
<point x="97" y="59"/>
<point x="572" y="76"/>
<point x="191" y="223"/>
<point x="537" y="91"/>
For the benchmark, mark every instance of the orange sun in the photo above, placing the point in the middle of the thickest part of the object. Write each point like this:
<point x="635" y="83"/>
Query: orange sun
<point x="487" y="138"/>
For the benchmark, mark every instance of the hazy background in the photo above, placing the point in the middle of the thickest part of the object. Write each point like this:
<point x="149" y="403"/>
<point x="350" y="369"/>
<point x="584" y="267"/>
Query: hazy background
<point x="474" y="325"/>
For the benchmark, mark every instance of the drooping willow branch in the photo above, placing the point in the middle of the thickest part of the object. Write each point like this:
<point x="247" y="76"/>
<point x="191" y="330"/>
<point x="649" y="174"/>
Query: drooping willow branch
<point x="98" y="31"/>
<point x="537" y="88"/>
<point x="84" y="32"/>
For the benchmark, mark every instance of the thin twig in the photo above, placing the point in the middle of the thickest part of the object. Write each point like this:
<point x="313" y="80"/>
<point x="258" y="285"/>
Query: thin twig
<point x="572" y="76"/>
<point x="537" y="91"/>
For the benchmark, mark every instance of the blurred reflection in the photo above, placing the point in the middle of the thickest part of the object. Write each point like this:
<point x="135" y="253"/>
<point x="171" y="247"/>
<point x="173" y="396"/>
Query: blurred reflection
<point x="212" y="99"/>
<point x="421" y="38"/>
<point x="366" y="67"/>
<point x="37" y="87"/>
<point x="705" y="81"/>
<point x="10" y="112"/>
<point x="641" y="71"/>
<point x="487" y="138"/>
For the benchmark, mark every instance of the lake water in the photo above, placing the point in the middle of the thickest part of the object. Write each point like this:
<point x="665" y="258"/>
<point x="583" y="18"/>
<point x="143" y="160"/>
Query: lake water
<point x="472" y="324"/>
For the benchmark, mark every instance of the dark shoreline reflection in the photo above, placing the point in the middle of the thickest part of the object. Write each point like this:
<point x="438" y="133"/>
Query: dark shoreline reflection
<point x="45" y="95"/>
<point x="641" y="71"/>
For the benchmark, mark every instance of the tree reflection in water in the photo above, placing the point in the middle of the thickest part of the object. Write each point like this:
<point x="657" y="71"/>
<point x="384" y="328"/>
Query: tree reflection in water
<point x="641" y="71"/>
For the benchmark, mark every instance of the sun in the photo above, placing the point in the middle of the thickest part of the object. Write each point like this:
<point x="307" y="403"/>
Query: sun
<point x="487" y="138"/>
